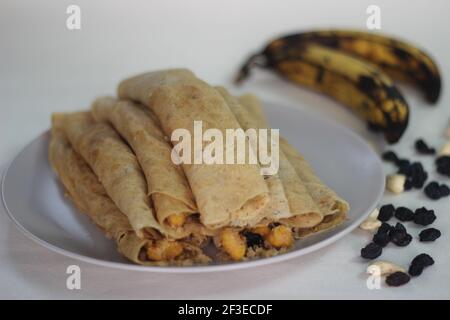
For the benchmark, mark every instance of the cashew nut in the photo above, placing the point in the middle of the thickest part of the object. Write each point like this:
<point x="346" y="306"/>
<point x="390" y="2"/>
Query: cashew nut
<point x="383" y="268"/>
<point x="374" y="214"/>
<point x="396" y="183"/>
<point x="370" y="224"/>
<point x="445" y="151"/>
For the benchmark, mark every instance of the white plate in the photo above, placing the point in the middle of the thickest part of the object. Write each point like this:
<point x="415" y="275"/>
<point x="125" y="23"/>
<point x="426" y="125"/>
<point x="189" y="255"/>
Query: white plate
<point x="34" y="200"/>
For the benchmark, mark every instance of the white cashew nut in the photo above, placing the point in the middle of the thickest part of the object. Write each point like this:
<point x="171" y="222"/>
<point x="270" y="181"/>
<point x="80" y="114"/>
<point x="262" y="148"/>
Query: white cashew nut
<point x="383" y="268"/>
<point x="396" y="183"/>
<point x="374" y="214"/>
<point x="445" y="151"/>
<point x="370" y="224"/>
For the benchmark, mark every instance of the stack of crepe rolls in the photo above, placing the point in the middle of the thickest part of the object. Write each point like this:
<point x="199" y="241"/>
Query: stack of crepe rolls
<point x="115" y="162"/>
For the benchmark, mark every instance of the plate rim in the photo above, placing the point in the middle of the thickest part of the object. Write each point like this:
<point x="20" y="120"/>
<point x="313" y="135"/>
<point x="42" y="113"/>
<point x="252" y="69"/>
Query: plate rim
<point x="206" y="268"/>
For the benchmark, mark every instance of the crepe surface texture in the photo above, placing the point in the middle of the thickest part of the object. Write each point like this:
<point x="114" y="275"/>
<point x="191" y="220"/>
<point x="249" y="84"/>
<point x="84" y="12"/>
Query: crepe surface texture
<point x="167" y="185"/>
<point x="226" y="194"/>
<point x="89" y="196"/>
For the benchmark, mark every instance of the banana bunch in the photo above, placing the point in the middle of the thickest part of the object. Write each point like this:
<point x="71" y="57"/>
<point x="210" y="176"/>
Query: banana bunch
<point x="355" y="68"/>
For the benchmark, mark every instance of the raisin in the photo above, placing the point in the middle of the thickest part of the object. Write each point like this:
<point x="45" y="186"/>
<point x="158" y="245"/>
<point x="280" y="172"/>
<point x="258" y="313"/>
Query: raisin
<point x="423" y="259"/>
<point x="402" y="241"/>
<point x="384" y="228"/>
<point x="423" y="148"/>
<point x="403" y="164"/>
<point x="397" y="279"/>
<point x="408" y="184"/>
<point x="435" y="191"/>
<point x="418" y="175"/>
<point x="429" y="234"/>
<point x="399" y="227"/>
<point x="424" y="217"/>
<point x="415" y="270"/>
<point x="443" y="165"/>
<point x="419" y="263"/>
<point x="371" y="251"/>
<point x="404" y="167"/>
<point x="404" y="214"/>
<point x="444" y="189"/>
<point x="386" y="212"/>
<point x="399" y="236"/>
<point x="389" y="156"/>
<point x="254" y="239"/>
<point x="382" y="239"/>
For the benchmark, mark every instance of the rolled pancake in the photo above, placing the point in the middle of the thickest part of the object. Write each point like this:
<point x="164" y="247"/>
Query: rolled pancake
<point x="303" y="211"/>
<point x="327" y="200"/>
<point x="226" y="194"/>
<point x="118" y="170"/>
<point x="90" y="197"/>
<point x="278" y="206"/>
<point x="167" y="184"/>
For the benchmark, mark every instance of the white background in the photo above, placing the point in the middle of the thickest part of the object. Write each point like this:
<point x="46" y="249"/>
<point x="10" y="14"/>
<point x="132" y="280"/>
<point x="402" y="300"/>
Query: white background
<point x="44" y="68"/>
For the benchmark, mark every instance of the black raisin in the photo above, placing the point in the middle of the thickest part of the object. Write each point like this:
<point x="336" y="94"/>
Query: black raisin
<point x="399" y="227"/>
<point x="423" y="259"/>
<point x="382" y="239"/>
<point x="403" y="164"/>
<point x="417" y="175"/>
<point x="404" y="214"/>
<point x="408" y="184"/>
<point x="390" y="156"/>
<point x="371" y="251"/>
<point x="415" y="270"/>
<point x="424" y="217"/>
<point x="402" y="240"/>
<point x="429" y="234"/>
<point x="254" y="239"/>
<point x="432" y="190"/>
<point x="384" y="228"/>
<point x="386" y="212"/>
<point x="404" y="167"/>
<point x="443" y="165"/>
<point x="423" y="148"/>
<point x="444" y="190"/>
<point x="397" y="279"/>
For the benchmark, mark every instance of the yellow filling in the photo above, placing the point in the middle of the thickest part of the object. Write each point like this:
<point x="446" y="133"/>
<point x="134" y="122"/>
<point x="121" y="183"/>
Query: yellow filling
<point x="280" y="236"/>
<point x="176" y="220"/>
<point x="233" y="243"/>
<point x="163" y="250"/>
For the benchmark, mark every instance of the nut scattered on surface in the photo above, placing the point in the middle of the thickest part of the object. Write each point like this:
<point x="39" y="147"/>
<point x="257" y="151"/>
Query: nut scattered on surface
<point x="445" y="150"/>
<point x="374" y="214"/>
<point x="383" y="268"/>
<point x="370" y="224"/>
<point x="396" y="183"/>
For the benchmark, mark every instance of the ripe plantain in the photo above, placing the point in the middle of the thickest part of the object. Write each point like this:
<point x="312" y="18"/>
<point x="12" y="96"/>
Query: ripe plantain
<point x="352" y="81"/>
<point x="399" y="59"/>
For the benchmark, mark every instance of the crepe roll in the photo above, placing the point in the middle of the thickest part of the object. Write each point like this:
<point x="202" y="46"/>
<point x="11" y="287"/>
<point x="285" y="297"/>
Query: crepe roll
<point x="326" y="199"/>
<point x="167" y="185"/>
<point x="90" y="197"/>
<point x="226" y="194"/>
<point x="302" y="211"/>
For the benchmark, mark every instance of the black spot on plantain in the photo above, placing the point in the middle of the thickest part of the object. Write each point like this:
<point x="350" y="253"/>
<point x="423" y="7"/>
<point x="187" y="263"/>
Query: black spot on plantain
<point x="400" y="53"/>
<point x="320" y="74"/>
<point x="367" y="84"/>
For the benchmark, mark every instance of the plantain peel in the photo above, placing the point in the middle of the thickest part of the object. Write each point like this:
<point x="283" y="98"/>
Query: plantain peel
<point x="399" y="59"/>
<point x="355" y="83"/>
<point x="354" y="68"/>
